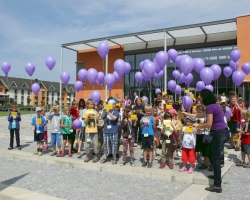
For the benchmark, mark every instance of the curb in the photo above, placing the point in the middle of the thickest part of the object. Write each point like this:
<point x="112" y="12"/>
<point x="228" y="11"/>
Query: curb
<point x="158" y="174"/>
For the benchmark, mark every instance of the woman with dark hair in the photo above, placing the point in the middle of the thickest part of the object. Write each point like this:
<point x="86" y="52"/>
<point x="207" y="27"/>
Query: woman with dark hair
<point x="81" y="132"/>
<point x="219" y="133"/>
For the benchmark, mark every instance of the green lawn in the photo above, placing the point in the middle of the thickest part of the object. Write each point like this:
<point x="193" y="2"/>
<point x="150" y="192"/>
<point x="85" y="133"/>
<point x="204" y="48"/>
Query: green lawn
<point x="23" y="112"/>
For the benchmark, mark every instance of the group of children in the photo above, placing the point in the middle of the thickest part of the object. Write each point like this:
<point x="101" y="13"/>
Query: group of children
<point x="161" y="127"/>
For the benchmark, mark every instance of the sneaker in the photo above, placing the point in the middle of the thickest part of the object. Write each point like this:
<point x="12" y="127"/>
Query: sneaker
<point x="45" y="148"/>
<point x="240" y="164"/>
<point x="237" y="148"/>
<point x="19" y="148"/>
<point x="53" y="154"/>
<point x="144" y="164"/>
<point x="135" y="144"/>
<point x="211" y="177"/>
<point x="132" y="163"/>
<point x="210" y="168"/>
<point x="230" y="147"/>
<point x="162" y="165"/>
<point x="40" y="153"/>
<point x="225" y="151"/>
<point x="246" y="165"/>
<point x="155" y="157"/>
<point x="62" y="155"/>
<point x="10" y="148"/>
<point x="171" y="166"/>
<point x="122" y="163"/>
<point x="191" y="170"/>
<point x="214" y="188"/>
<point x="149" y="164"/>
<point x="179" y="153"/>
<point x="86" y="158"/>
<point x="96" y="159"/>
<point x="114" y="161"/>
<point x="203" y="167"/>
<point x="183" y="169"/>
<point x="70" y="154"/>
<point x="36" y="153"/>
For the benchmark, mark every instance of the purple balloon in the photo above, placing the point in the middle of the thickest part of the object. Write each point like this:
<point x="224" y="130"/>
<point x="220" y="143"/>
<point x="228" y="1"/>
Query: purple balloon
<point x="187" y="64"/>
<point x="209" y="87"/>
<point x="82" y="74"/>
<point x="199" y="64"/>
<point x="200" y="85"/>
<point x="109" y="79"/>
<point x="172" y="54"/>
<point x="117" y="77"/>
<point x="171" y="85"/>
<point x="216" y="70"/>
<point x="235" y="55"/>
<point x="177" y="90"/>
<point x="96" y="96"/>
<point x="90" y="97"/>
<point x="149" y="69"/>
<point x="187" y="102"/>
<point x="77" y="124"/>
<point x="161" y="58"/>
<point x="182" y="78"/>
<point x="100" y="78"/>
<point x="207" y="75"/>
<point x="155" y="75"/>
<point x="78" y="86"/>
<point x="138" y="77"/>
<point x="228" y="112"/>
<point x="145" y="76"/>
<point x="65" y="76"/>
<point x="50" y="62"/>
<point x="246" y="68"/>
<point x="233" y="65"/>
<point x="189" y="79"/>
<point x="176" y="74"/>
<point x="103" y="49"/>
<point x="227" y="71"/>
<point x="157" y="68"/>
<point x="141" y="65"/>
<point x="177" y="60"/>
<point x="6" y="68"/>
<point x="160" y="74"/>
<point x="92" y="75"/>
<point x="145" y="98"/>
<point x="30" y="68"/>
<point x="157" y="90"/>
<point x="35" y="88"/>
<point x="120" y="67"/>
<point x="238" y="77"/>
<point x="127" y="68"/>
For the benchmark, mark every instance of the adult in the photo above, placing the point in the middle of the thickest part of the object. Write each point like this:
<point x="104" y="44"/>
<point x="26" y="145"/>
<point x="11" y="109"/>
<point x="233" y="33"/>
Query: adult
<point x="219" y="133"/>
<point x="159" y="98"/>
<point x="136" y="96"/>
<point x="223" y="98"/>
<point x="116" y="97"/>
<point x="234" y="122"/>
<point x="110" y="131"/>
<point x="81" y="132"/>
<point x="126" y="102"/>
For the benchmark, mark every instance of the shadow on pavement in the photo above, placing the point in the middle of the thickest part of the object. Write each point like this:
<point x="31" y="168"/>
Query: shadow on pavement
<point x="9" y="182"/>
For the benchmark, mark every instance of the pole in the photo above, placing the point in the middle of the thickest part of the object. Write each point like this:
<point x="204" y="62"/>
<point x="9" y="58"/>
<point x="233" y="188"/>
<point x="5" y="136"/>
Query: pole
<point x="165" y="68"/>
<point x="106" y="72"/>
<point x="61" y="68"/>
<point x="243" y="95"/>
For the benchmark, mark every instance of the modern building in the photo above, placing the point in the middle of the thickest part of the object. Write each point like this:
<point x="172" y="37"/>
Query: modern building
<point x="211" y="41"/>
<point x="18" y="90"/>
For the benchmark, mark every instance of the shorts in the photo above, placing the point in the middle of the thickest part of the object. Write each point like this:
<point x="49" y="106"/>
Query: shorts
<point x="233" y="127"/>
<point x="38" y="137"/>
<point x="147" y="142"/>
<point x="56" y="139"/>
<point x="45" y="136"/>
<point x="66" y="136"/>
<point x="245" y="148"/>
<point x="82" y="134"/>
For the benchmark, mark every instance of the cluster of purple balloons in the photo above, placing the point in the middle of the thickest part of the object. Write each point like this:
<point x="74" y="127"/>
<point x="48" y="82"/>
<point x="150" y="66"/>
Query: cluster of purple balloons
<point x="95" y="96"/>
<point x="30" y="69"/>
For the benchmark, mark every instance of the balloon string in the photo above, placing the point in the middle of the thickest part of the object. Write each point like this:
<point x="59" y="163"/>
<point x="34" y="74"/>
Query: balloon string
<point x="103" y="64"/>
<point x="226" y="86"/>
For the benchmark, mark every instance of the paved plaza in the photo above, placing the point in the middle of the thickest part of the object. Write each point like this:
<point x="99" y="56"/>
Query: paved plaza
<point x="71" y="178"/>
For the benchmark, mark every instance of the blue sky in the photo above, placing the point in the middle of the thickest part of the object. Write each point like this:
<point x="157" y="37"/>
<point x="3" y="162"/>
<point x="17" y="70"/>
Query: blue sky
<point x="32" y="30"/>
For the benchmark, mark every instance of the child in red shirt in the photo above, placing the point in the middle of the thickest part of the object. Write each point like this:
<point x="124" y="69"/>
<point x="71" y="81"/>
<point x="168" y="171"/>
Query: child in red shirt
<point x="75" y="115"/>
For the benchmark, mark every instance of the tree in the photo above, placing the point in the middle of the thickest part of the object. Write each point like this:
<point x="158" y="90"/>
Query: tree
<point x="28" y="100"/>
<point x="57" y="102"/>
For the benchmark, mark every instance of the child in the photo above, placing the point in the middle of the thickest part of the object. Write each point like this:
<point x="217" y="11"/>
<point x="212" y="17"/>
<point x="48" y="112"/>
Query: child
<point x="45" y="146"/>
<point x="147" y="123"/>
<point x="90" y="118"/>
<point x="156" y="132"/>
<point x="78" y="140"/>
<point x="168" y="141"/>
<point x="66" y="124"/>
<point x="38" y="122"/>
<point x="188" y="144"/>
<point x="14" y="118"/>
<point x="127" y="130"/>
<point x="75" y="115"/>
<point x="100" y="126"/>
<point x="82" y="132"/>
<point x="55" y="130"/>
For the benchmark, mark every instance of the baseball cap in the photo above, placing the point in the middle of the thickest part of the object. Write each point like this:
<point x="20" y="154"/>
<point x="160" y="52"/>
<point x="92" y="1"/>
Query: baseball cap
<point x="111" y="101"/>
<point x="38" y="109"/>
<point x="193" y="119"/>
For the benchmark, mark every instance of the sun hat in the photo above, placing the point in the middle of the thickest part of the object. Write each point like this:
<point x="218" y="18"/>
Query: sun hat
<point x="193" y="119"/>
<point x="173" y="111"/>
<point x="38" y="109"/>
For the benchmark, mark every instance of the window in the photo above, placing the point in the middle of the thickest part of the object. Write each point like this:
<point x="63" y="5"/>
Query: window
<point x="28" y="92"/>
<point x="52" y="94"/>
<point x="79" y="66"/>
<point x="13" y="84"/>
<point x="1" y="83"/>
<point x="51" y="88"/>
<point x="71" y="90"/>
<point x="24" y="85"/>
<point x="16" y="91"/>
<point x="41" y="85"/>
<point x="1" y="89"/>
<point x="22" y="92"/>
<point x="22" y="98"/>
